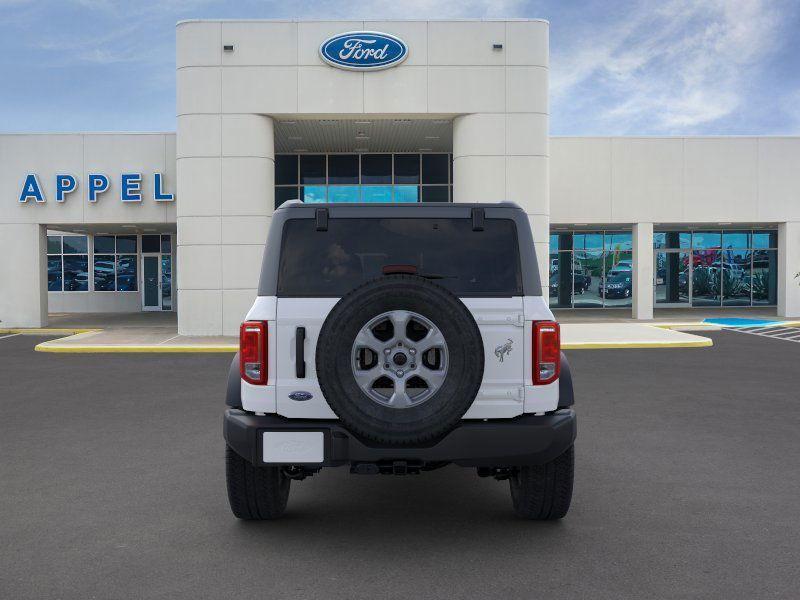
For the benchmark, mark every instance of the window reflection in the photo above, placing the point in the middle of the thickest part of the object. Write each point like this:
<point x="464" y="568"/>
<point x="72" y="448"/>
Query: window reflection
<point x="721" y="268"/>
<point x="672" y="278"/>
<point x="765" y="277"/>
<point x="406" y="177"/>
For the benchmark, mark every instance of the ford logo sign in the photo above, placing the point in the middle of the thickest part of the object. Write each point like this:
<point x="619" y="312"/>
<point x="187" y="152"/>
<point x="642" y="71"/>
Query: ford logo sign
<point x="300" y="396"/>
<point x="363" y="50"/>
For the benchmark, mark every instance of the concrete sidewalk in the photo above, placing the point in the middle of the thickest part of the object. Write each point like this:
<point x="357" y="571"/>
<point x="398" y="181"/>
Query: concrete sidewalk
<point x="158" y="333"/>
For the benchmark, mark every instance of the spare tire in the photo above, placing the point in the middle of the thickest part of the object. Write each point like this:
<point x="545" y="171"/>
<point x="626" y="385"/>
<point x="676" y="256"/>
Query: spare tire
<point x="400" y="360"/>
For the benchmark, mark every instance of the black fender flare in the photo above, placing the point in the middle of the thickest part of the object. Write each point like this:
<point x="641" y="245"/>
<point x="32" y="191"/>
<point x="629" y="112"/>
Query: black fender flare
<point x="233" y="396"/>
<point x="566" y="395"/>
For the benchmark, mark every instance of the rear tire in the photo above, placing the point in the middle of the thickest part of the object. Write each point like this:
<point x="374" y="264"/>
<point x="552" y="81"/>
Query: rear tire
<point x="255" y="493"/>
<point x="544" y="492"/>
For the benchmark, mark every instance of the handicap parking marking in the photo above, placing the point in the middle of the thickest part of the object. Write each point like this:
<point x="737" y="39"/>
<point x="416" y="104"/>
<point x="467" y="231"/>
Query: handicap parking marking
<point x="776" y="332"/>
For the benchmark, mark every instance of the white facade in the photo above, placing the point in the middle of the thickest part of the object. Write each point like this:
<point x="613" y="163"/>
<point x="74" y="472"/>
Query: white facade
<point x="475" y="90"/>
<point x="23" y="264"/>
<point x="229" y="101"/>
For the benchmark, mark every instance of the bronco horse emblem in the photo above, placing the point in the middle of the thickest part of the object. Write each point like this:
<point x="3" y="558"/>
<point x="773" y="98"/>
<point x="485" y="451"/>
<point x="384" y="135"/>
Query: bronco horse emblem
<point x="504" y="349"/>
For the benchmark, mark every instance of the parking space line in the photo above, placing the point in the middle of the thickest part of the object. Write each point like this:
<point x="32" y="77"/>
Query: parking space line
<point x="2" y="337"/>
<point x="790" y="334"/>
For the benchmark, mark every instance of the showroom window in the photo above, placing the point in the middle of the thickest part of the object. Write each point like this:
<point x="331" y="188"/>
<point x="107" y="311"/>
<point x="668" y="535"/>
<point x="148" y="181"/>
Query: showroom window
<point x="377" y="177"/>
<point x="115" y="263"/>
<point x="591" y="269"/>
<point x="716" y="267"/>
<point x="67" y="263"/>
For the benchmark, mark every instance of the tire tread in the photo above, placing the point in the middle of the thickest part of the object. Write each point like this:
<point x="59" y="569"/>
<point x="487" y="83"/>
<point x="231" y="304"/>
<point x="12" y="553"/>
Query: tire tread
<point x="255" y="493"/>
<point x="544" y="492"/>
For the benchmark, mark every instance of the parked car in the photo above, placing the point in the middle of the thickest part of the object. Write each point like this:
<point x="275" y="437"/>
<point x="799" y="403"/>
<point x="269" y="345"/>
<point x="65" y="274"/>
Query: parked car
<point x="618" y="285"/>
<point x="365" y="350"/>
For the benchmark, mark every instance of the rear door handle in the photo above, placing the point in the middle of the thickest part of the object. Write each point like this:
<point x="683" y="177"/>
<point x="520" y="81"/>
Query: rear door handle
<point x="300" y="352"/>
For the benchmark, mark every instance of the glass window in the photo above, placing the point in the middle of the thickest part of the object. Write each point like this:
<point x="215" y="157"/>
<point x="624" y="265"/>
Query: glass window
<point x="765" y="277"/>
<point x="104" y="244"/>
<point x="376" y="193"/>
<point x="166" y="282"/>
<point x="54" y="279"/>
<point x="736" y="277"/>
<point x="672" y="277"/>
<point x="587" y="278"/>
<point x="434" y="168"/>
<point x="151" y="243"/>
<point x="435" y="193"/>
<point x="343" y="193"/>
<point x="166" y="244"/>
<point x="312" y="168"/>
<point x="126" y="274"/>
<point x="618" y="281"/>
<point x="75" y="244"/>
<point x="76" y="273"/>
<point x="765" y="239"/>
<point x="283" y="194"/>
<point x="406" y="193"/>
<point x="618" y="241"/>
<point x="706" y="239"/>
<point x="406" y="168"/>
<point x="706" y="278"/>
<point x="54" y="244"/>
<point x="126" y="244"/>
<point x="376" y="168"/>
<point x="736" y="239"/>
<point x="331" y="263"/>
<point x="343" y="168"/>
<point x="560" y="279"/>
<point x="285" y="169"/>
<point x="314" y="193"/>
<point x="672" y="239"/>
<point x="104" y="272"/>
<point x="588" y="241"/>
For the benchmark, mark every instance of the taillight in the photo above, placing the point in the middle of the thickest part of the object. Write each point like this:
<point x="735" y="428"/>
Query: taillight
<point x="546" y="352"/>
<point x="253" y="352"/>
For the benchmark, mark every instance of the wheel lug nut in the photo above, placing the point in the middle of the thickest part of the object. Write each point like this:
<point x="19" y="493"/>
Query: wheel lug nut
<point x="413" y="366"/>
<point x="387" y="350"/>
<point x="386" y="366"/>
<point x="412" y="351"/>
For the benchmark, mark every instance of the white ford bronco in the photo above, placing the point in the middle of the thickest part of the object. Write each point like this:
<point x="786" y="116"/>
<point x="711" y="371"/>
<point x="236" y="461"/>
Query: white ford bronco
<point x="397" y="339"/>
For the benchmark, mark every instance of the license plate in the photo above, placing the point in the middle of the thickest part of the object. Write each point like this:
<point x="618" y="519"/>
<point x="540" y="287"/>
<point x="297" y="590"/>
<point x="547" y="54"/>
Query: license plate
<point x="293" y="447"/>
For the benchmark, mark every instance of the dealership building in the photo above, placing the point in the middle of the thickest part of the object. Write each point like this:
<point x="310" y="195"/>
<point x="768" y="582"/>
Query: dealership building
<point x="389" y="111"/>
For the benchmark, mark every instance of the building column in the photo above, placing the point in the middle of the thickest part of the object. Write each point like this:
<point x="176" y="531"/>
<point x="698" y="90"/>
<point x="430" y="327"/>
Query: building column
<point x="226" y="175"/>
<point x="789" y="270"/>
<point x="23" y="271"/>
<point x="642" y="271"/>
<point x="505" y="157"/>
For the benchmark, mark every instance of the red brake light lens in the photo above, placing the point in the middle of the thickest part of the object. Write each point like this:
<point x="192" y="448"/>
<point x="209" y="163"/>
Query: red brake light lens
<point x="546" y="352"/>
<point x="253" y="352"/>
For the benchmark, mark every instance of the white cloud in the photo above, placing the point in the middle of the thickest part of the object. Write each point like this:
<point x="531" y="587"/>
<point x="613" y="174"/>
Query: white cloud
<point x="669" y="69"/>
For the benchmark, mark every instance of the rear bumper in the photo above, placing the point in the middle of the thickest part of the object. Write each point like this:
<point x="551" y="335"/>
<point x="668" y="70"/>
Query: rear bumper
<point x="524" y="440"/>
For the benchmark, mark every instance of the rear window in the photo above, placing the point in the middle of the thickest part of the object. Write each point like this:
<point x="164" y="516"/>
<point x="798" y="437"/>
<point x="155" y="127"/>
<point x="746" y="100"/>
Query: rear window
<point x="353" y="251"/>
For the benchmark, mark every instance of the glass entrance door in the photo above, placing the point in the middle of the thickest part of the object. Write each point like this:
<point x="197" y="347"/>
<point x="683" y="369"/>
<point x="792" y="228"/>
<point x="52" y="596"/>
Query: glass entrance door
<point x="151" y="276"/>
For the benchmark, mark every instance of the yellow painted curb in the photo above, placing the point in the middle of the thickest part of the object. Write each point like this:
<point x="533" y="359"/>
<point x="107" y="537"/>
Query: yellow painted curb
<point x="686" y="326"/>
<point x="704" y="343"/>
<point x="98" y="349"/>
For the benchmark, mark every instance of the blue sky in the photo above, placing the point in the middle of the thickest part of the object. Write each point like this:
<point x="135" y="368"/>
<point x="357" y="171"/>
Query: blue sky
<point x="617" y="68"/>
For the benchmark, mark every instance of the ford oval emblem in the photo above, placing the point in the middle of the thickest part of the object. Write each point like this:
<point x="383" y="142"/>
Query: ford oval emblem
<point x="301" y="396"/>
<point x="363" y="50"/>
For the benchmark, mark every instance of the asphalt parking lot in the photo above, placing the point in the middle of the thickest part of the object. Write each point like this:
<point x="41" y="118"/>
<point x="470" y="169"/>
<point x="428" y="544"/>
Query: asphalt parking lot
<point x="687" y="486"/>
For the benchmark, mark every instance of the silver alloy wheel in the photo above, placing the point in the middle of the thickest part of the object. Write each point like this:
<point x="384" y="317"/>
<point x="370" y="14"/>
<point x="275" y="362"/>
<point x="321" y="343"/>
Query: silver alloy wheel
<point x="407" y="367"/>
